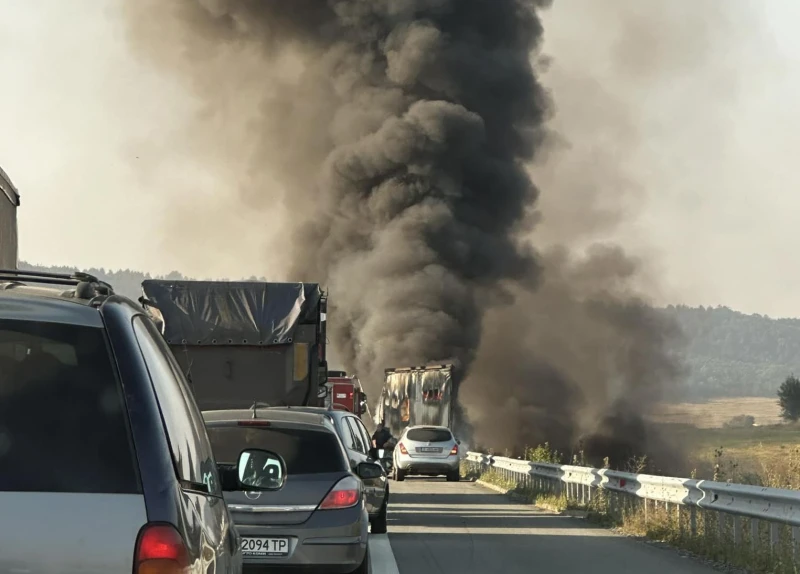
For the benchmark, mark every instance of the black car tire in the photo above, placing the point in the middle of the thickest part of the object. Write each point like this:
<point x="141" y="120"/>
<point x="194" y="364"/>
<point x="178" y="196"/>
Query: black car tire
<point x="378" y="524"/>
<point x="454" y="476"/>
<point x="365" y="567"/>
<point x="399" y="475"/>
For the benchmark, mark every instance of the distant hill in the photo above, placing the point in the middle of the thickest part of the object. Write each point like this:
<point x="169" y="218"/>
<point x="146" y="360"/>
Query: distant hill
<point x="730" y="354"/>
<point x="125" y="281"/>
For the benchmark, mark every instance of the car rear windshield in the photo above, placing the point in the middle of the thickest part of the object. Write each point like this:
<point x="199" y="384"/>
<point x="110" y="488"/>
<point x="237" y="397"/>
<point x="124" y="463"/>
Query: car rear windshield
<point x="305" y="451"/>
<point x="63" y="423"/>
<point x="429" y="435"/>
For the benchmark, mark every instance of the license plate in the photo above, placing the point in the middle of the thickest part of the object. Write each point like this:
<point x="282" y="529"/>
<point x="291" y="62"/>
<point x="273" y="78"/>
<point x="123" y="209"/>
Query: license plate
<point x="429" y="449"/>
<point x="265" y="546"/>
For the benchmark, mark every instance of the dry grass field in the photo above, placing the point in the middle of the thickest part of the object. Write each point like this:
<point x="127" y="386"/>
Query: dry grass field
<point x="715" y="413"/>
<point x="767" y="454"/>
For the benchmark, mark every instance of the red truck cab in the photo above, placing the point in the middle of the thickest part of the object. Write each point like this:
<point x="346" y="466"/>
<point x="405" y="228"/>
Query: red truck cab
<point x="345" y="393"/>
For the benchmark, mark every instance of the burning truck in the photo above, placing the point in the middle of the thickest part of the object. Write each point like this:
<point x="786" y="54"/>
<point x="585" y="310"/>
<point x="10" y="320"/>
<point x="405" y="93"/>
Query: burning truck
<point x="425" y="395"/>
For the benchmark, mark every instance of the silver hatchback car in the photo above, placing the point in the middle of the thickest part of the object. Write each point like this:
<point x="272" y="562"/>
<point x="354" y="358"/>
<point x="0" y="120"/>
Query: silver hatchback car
<point x="318" y="521"/>
<point x="427" y="450"/>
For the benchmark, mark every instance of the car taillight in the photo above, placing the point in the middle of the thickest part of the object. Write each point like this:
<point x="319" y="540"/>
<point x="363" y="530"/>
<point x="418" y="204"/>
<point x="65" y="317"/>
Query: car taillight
<point x="345" y="494"/>
<point x="454" y="450"/>
<point x="402" y="448"/>
<point x="160" y="550"/>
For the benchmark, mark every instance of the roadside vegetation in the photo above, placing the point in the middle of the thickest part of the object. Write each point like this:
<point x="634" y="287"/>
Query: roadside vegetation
<point x="762" y="456"/>
<point x="713" y="537"/>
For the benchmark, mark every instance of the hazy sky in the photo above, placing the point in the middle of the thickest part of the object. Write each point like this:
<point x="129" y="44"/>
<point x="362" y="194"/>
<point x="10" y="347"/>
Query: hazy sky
<point x="710" y="145"/>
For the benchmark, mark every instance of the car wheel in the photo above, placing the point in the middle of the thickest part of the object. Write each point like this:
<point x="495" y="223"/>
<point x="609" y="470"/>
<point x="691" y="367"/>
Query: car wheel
<point x="453" y="476"/>
<point x="365" y="567"/>
<point x="378" y="524"/>
<point x="400" y="475"/>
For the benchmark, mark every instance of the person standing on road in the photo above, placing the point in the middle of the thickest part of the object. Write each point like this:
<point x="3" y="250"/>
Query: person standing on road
<point x="381" y="436"/>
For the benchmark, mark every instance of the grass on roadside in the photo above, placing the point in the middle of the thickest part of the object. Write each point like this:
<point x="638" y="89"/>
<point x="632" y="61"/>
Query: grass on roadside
<point x="669" y="524"/>
<point x="542" y="499"/>
<point x="714" y="541"/>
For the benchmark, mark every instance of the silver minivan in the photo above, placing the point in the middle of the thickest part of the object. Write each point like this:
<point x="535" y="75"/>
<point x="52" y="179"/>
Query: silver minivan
<point x="105" y="464"/>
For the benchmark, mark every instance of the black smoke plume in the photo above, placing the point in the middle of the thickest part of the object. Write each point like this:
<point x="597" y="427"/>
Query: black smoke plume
<point x="578" y="363"/>
<point x="396" y="134"/>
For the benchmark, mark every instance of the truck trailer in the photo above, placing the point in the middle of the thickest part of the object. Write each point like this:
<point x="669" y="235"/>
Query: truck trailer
<point x="9" y="203"/>
<point x="244" y="343"/>
<point x="423" y="395"/>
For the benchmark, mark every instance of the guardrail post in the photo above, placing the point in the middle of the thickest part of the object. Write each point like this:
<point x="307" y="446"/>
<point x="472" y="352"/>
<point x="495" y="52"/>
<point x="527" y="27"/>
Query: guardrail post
<point x="773" y="535"/>
<point x="754" y="535"/>
<point x="721" y="518"/>
<point x="795" y="541"/>
<point x="693" y="520"/>
<point x="737" y="530"/>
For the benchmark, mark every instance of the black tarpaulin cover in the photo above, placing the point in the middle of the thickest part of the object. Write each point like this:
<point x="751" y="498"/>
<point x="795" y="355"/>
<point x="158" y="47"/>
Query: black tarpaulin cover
<point x="232" y="313"/>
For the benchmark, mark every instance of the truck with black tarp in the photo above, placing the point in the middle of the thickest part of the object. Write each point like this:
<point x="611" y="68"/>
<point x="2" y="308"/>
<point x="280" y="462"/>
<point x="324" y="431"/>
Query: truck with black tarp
<point x="419" y="396"/>
<point x="247" y="342"/>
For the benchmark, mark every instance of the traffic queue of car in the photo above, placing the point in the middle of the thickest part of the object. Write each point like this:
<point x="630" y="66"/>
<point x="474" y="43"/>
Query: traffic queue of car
<point x="108" y="465"/>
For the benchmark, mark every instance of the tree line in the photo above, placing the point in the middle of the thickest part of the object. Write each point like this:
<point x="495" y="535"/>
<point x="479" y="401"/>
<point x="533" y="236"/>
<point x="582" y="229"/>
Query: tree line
<point x="125" y="281"/>
<point x="728" y="354"/>
<point x="731" y="354"/>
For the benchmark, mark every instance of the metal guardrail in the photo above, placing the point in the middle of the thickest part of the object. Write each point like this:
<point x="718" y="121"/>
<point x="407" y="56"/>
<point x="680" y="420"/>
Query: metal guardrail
<point x="733" y="504"/>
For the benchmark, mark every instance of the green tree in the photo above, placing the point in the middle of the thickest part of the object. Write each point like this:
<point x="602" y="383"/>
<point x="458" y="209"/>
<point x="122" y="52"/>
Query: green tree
<point x="789" y="398"/>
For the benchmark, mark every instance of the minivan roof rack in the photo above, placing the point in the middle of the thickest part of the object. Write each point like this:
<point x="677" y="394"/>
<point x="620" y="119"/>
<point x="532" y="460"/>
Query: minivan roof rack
<point x="86" y="286"/>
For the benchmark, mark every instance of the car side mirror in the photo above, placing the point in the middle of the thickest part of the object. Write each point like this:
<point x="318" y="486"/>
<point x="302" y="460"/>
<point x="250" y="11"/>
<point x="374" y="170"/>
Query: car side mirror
<point x="369" y="470"/>
<point x="260" y="469"/>
<point x="458" y="442"/>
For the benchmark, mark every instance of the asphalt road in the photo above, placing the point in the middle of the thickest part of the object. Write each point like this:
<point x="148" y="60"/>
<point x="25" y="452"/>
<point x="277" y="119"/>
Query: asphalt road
<point x="436" y="527"/>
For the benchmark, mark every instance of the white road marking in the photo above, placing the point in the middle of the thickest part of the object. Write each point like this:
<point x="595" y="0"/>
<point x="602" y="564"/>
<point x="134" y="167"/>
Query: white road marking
<point x="381" y="555"/>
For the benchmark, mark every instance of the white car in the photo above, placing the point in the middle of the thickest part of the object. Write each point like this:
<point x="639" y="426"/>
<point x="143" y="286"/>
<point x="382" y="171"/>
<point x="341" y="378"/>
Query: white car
<point x="427" y="450"/>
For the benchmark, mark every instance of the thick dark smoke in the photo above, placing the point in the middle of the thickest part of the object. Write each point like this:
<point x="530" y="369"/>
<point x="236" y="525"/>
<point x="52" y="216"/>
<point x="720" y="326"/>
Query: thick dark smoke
<point x="397" y="135"/>
<point x="577" y="363"/>
<point x="401" y="143"/>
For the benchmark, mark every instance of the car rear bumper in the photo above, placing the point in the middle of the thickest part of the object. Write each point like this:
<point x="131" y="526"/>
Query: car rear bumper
<point x="426" y="465"/>
<point x="331" y="541"/>
<point x="334" y="558"/>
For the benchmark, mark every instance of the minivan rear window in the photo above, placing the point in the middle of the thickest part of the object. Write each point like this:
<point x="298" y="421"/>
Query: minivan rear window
<point x="63" y="422"/>
<point x="429" y="435"/>
<point x="305" y="451"/>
